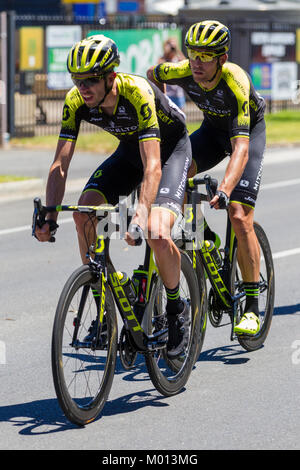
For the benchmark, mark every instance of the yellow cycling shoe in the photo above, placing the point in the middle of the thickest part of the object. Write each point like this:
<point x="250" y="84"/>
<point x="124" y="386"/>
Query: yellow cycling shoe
<point x="249" y="324"/>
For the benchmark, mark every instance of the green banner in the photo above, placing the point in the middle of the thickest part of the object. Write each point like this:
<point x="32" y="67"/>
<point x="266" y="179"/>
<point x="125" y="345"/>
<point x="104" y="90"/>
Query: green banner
<point x="57" y="59"/>
<point x="139" y="49"/>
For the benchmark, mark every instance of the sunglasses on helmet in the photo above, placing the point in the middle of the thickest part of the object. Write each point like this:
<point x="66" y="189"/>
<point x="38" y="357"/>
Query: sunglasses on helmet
<point x="202" y="55"/>
<point x="87" y="81"/>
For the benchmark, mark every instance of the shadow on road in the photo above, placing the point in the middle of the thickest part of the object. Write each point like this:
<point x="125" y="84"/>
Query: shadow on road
<point x="227" y="354"/>
<point x="287" y="309"/>
<point x="41" y="417"/>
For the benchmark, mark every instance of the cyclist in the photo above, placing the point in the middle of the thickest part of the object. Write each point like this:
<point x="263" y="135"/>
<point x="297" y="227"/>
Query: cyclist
<point x="154" y="151"/>
<point x="234" y="126"/>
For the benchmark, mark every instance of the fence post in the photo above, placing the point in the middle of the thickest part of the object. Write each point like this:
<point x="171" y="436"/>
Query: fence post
<point x="11" y="72"/>
<point x="4" y="136"/>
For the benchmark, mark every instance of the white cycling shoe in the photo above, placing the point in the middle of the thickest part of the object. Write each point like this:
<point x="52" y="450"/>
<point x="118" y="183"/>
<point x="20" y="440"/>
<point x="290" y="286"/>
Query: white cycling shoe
<point x="249" y="324"/>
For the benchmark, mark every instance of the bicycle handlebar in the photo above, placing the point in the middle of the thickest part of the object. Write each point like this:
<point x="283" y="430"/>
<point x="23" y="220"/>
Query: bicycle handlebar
<point x="40" y="212"/>
<point x="210" y="183"/>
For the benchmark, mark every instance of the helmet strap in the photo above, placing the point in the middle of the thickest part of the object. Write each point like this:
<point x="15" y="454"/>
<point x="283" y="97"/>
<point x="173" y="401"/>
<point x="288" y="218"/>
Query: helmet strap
<point x="217" y="70"/>
<point x="106" y="88"/>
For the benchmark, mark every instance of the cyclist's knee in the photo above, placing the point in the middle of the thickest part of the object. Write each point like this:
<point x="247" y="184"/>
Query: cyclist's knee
<point x="159" y="245"/>
<point x="81" y="221"/>
<point x="241" y="218"/>
<point x="160" y="224"/>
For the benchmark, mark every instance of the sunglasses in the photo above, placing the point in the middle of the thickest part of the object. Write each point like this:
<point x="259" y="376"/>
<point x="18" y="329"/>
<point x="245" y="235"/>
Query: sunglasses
<point x="87" y="82"/>
<point x="203" y="56"/>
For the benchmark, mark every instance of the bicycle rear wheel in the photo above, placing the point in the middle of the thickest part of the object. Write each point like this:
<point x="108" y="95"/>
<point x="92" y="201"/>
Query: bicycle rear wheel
<point x="82" y="373"/>
<point x="170" y="376"/>
<point x="266" y="294"/>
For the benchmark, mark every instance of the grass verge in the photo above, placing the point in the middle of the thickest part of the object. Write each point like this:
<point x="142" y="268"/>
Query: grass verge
<point x="10" y="178"/>
<point x="282" y="128"/>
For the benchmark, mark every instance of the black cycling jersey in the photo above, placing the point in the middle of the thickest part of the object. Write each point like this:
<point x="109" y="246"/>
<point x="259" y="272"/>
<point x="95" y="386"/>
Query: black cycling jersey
<point x="232" y="104"/>
<point x="210" y="146"/>
<point x="142" y="112"/>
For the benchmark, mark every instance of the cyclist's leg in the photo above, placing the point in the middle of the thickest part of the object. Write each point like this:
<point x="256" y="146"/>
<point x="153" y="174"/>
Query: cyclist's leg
<point x="115" y="177"/>
<point x="177" y="159"/>
<point x="241" y="212"/>
<point x="209" y="147"/>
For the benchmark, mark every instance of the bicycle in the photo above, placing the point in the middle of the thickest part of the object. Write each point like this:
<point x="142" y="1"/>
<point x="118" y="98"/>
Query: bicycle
<point x="85" y="331"/>
<point x="226" y="295"/>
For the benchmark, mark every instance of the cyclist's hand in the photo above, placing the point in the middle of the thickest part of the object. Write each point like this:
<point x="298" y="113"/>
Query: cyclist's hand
<point x="46" y="232"/>
<point x="134" y="236"/>
<point x="220" y="200"/>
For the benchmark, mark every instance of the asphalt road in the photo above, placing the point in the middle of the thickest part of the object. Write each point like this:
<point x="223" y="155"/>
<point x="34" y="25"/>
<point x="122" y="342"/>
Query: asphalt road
<point x="233" y="400"/>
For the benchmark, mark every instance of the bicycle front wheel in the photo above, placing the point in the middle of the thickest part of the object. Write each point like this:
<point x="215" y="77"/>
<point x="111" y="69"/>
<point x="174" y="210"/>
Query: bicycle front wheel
<point x="170" y="376"/>
<point x="83" y="372"/>
<point x="266" y="291"/>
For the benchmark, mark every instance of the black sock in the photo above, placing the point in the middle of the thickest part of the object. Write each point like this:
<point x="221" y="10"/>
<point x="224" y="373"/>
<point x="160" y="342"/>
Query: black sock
<point x="174" y="302"/>
<point x="252" y="294"/>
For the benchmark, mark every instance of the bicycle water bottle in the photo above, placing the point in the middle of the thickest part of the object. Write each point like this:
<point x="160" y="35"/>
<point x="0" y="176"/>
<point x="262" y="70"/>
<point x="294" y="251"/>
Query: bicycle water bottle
<point x="128" y="287"/>
<point x="139" y="280"/>
<point x="214" y="253"/>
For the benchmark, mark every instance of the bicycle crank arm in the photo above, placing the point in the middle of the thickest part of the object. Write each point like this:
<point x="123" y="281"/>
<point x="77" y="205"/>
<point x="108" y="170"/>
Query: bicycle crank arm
<point x="157" y="340"/>
<point x="87" y="345"/>
<point x="235" y="301"/>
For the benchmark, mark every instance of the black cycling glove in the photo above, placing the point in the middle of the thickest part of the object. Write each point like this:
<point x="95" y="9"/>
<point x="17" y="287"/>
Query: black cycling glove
<point x="223" y="199"/>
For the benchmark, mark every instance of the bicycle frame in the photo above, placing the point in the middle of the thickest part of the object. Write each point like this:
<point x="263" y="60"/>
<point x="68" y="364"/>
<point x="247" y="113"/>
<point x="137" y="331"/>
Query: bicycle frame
<point x="104" y="271"/>
<point x="219" y="279"/>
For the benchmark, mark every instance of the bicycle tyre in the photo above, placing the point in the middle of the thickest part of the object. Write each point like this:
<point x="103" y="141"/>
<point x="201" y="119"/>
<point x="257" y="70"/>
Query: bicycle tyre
<point x="170" y="376"/>
<point x="202" y="287"/>
<point x="76" y="368"/>
<point x="266" y="298"/>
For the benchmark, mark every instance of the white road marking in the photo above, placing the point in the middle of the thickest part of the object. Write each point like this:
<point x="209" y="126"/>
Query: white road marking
<point x="25" y="228"/>
<point x="278" y="184"/>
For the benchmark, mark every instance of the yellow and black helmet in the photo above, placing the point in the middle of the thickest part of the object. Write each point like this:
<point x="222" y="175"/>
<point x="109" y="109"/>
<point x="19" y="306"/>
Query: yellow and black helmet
<point x="96" y="54"/>
<point x="210" y="35"/>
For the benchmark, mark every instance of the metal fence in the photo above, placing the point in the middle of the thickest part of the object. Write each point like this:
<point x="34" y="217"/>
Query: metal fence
<point x="37" y="109"/>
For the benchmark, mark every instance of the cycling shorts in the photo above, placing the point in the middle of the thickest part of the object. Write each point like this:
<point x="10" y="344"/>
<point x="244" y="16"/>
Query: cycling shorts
<point x="211" y="145"/>
<point x="122" y="172"/>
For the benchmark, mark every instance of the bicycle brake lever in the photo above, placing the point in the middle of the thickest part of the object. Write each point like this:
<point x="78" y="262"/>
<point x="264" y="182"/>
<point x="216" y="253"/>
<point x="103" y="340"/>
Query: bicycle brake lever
<point x="211" y="186"/>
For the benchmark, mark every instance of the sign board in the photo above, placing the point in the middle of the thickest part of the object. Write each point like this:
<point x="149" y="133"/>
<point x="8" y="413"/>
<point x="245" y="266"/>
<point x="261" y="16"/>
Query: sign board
<point x="139" y="49"/>
<point x="284" y="77"/>
<point x="261" y="75"/>
<point x="31" y="48"/>
<point x="272" y="46"/>
<point x="274" y="68"/>
<point x="59" y="40"/>
<point x="79" y="1"/>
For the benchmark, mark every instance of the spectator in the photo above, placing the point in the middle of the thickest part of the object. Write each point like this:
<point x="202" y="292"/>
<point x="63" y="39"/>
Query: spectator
<point x="172" y="53"/>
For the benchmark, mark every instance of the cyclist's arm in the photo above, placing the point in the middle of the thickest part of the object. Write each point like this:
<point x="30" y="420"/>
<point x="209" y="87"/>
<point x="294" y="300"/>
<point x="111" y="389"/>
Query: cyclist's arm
<point x="240" y="128"/>
<point x="151" y="77"/>
<point x="58" y="173"/>
<point x="56" y="182"/>
<point x="172" y="73"/>
<point x="235" y="167"/>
